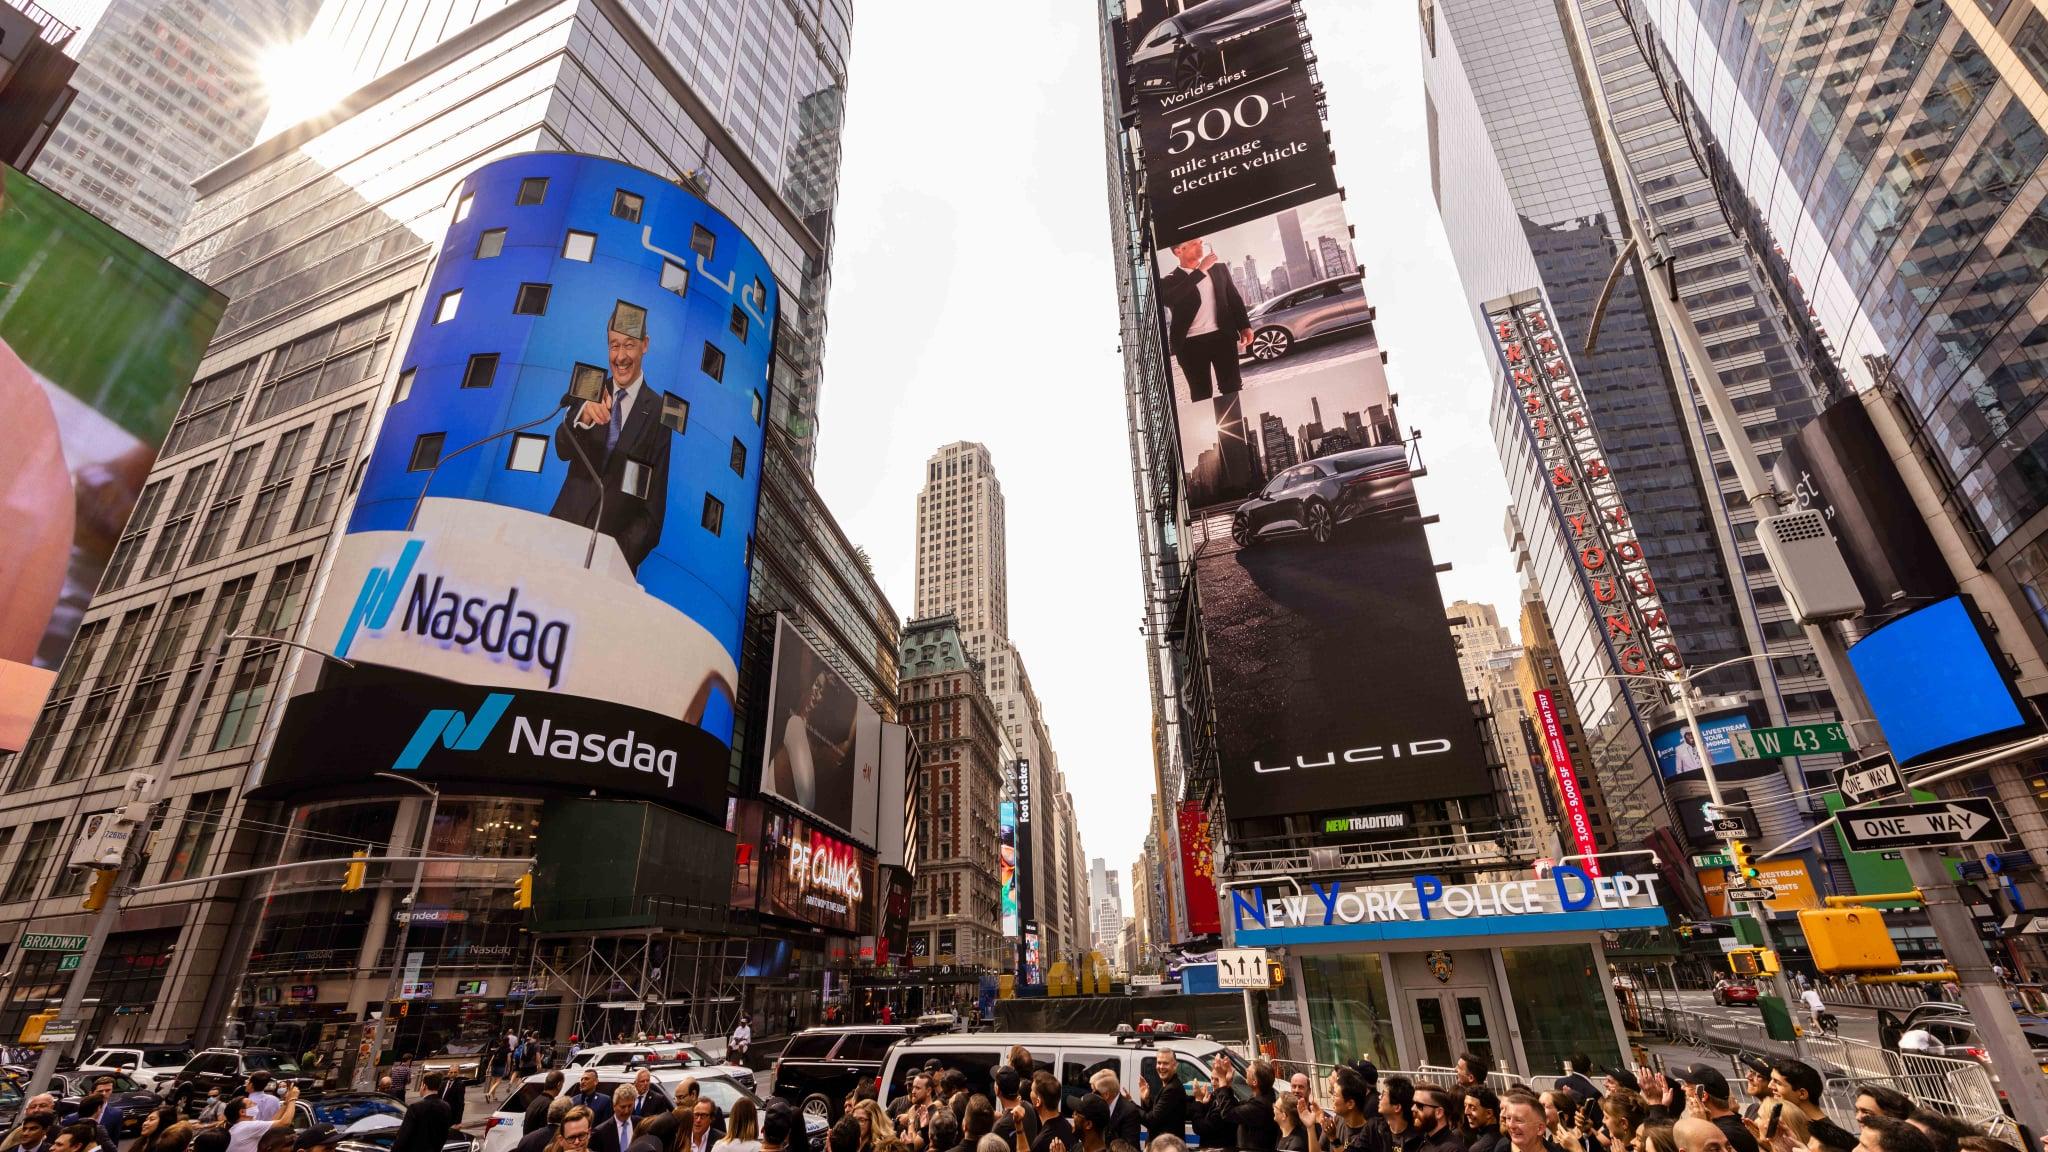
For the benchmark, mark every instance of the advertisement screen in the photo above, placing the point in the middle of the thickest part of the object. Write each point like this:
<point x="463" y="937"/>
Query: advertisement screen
<point x="824" y="741"/>
<point x="99" y="339"/>
<point x="809" y="875"/>
<point x="1935" y="682"/>
<point x="1008" y="865"/>
<point x="1198" y="870"/>
<point x="1577" y="820"/>
<point x="1305" y="531"/>
<point x="1677" y="753"/>
<point x="561" y="494"/>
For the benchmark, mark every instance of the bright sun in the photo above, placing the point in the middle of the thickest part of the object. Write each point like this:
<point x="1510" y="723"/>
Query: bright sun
<point x="302" y="80"/>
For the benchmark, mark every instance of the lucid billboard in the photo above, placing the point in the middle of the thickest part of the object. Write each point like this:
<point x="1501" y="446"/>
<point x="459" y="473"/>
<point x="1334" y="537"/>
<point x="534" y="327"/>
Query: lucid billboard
<point x="558" y="504"/>
<point x="1335" y="682"/>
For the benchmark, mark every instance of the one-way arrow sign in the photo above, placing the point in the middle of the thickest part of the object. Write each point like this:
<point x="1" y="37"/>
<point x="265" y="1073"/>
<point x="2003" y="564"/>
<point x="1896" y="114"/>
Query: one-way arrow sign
<point x="1968" y="821"/>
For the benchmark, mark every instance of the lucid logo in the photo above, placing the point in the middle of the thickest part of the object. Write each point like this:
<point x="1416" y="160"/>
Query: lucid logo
<point x="435" y="611"/>
<point x="1365" y="755"/>
<point x="453" y="730"/>
<point x="543" y="738"/>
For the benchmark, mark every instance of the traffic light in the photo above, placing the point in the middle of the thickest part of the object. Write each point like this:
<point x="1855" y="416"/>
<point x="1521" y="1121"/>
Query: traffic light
<point x="1276" y="973"/>
<point x="522" y="892"/>
<point x="1746" y="871"/>
<point x="352" y="880"/>
<point x="102" y="887"/>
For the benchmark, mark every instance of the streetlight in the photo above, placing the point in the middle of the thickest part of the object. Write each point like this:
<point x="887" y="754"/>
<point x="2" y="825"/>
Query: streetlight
<point x="392" y="988"/>
<point x="149" y="788"/>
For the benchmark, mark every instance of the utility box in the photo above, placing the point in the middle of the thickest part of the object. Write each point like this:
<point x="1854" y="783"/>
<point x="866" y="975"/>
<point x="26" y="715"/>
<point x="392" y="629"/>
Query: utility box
<point x="1809" y="565"/>
<point x="1848" y="940"/>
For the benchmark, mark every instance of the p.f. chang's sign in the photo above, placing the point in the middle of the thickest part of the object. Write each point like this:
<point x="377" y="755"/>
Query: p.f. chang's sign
<point x="810" y="876"/>
<point x="826" y="865"/>
<point x="1589" y="503"/>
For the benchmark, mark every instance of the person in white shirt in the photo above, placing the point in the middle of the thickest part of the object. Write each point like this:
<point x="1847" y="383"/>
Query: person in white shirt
<point x="261" y="1105"/>
<point x="1209" y="324"/>
<point x="1686" y="757"/>
<point x="1814" y="1007"/>
<point x="742" y="1039"/>
<point x="244" y="1133"/>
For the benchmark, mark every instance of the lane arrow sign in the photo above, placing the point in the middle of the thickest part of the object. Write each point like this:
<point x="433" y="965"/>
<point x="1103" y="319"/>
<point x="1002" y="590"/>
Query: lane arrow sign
<point x="1972" y="820"/>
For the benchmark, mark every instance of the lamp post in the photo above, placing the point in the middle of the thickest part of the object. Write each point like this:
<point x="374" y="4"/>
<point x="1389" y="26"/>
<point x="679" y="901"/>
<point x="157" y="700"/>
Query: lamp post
<point x="392" y="987"/>
<point x="149" y="789"/>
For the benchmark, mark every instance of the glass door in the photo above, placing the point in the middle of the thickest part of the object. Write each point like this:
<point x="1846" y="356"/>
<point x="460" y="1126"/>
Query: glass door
<point x="1450" y="1022"/>
<point x="1433" y="1024"/>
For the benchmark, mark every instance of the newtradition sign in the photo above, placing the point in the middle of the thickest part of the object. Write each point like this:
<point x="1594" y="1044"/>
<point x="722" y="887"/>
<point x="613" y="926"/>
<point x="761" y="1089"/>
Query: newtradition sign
<point x="1568" y="900"/>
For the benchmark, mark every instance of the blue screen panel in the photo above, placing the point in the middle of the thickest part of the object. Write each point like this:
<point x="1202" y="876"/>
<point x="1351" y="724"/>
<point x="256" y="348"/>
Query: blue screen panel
<point x="1933" y="683"/>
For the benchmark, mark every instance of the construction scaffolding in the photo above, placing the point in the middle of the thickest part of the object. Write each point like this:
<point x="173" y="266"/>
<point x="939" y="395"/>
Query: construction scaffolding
<point x="612" y="987"/>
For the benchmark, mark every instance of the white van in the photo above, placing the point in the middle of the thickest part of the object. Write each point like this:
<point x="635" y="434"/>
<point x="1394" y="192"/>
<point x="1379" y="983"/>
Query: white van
<point x="1071" y="1056"/>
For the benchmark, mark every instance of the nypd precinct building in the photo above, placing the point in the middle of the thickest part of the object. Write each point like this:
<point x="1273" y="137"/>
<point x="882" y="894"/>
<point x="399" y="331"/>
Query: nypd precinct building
<point x="1414" y="972"/>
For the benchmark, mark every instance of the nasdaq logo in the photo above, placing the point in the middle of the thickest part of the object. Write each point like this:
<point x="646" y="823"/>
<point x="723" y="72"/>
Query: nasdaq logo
<point x="453" y="730"/>
<point x="378" y="597"/>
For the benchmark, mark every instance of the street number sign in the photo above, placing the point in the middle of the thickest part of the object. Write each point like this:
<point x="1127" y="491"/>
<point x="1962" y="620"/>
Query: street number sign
<point x="44" y="942"/>
<point x="69" y="961"/>
<point x="1711" y="860"/>
<point x="1797" y="740"/>
<point x="1871" y="778"/>
<point x="1242" y="968"/>
<point x="1971" y="820"/>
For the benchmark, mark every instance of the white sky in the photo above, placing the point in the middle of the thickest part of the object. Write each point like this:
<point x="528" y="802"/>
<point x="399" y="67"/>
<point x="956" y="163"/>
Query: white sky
<point x="973" y="298"/>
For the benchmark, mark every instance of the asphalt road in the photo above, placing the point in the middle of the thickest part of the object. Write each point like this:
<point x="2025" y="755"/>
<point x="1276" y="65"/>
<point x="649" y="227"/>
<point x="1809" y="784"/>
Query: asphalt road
<point x="1318" y="649"/>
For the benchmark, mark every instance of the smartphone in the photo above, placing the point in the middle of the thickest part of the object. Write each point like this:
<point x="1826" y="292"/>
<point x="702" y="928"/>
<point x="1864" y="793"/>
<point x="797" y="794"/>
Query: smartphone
<point x="1771" y="1129"/>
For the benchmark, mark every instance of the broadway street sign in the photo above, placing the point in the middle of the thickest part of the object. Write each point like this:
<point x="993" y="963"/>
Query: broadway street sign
<point x="45" y="942"/>
<point x="1972" y="820"/>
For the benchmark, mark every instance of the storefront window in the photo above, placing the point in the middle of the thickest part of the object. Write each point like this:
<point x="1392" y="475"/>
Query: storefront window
<point x="1560" y="1006"/>
<point x="1347" y="1009"/>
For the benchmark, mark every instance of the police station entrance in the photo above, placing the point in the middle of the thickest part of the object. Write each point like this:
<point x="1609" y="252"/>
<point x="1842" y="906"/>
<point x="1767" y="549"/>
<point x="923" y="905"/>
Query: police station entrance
<point x="1449" y="1021"/>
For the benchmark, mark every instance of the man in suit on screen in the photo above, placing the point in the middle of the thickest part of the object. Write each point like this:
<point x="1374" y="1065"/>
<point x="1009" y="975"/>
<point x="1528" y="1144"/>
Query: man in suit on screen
<point x="617" y="446"/>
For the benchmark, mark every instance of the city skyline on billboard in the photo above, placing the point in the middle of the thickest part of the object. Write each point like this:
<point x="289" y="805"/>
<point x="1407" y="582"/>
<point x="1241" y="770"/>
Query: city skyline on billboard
<point x="1305" y="530"/>
<point x="561" y="494"/>
<point x="99" y="341"/>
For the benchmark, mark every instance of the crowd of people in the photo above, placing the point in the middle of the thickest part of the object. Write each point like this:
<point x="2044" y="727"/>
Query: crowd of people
<point x="255" y="1120"/>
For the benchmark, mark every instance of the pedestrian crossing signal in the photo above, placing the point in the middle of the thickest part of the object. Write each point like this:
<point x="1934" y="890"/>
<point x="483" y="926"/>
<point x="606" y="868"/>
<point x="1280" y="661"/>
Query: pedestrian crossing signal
<point x="522" y="892"/>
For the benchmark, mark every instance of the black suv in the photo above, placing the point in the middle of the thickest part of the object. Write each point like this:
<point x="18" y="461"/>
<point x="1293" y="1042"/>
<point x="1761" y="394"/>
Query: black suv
<point x="228" y="1069"/>
<point x="821" y="1065"/>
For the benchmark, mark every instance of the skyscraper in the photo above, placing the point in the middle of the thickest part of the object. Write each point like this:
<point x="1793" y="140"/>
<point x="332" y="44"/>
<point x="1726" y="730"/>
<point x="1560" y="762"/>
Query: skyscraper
<point x="1300" y="270"/>
<point x="1476" y="630"/>
<point x="962" y="561"/>
<point x="1106" y="905"/>
<point x="167" y="90"/>
<point x="1536" y="214"/>
<point x="318" y="234"/>
<point x="1336" y="256"/>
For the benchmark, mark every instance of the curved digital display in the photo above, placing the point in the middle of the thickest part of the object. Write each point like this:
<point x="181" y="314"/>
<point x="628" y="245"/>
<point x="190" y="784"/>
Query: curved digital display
<point x="561" y="494"/>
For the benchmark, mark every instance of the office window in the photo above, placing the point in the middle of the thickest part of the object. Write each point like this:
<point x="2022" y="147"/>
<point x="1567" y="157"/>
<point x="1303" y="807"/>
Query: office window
<point x="532" y="190"/>
<point x="426" y="452"/>
<point x="36" y="849"/>
<point x="136" y="737"/>
<point x="739" y="324"/>
<point x="327" y="360"/>
<point x="482" y="367"/>
<point x="702" y="242"/>
<point x="529" y="453"/>
<point x="675" y="413"/>
<point x="579" y="246"/>
<point x="714" y="513"/>
<point x="675" y="277"/>
<point x="330" y="467"/>
<point x="490" y="244"/>
<point x="246" y="699"/>
<point x="213" y="529"/>
<point x="626" y="206"/>
<point x="405" y="380"/>
<point x="738" y="462"/>
<point x="208" y="409"/>
<point x="225" y="617"/>
<point x="713" y="362"/>
<point x="757" y="406"/>
<point x="268" y="506"/>
<point x="285" y="599"/>
<point x="196" y="832"/>
<point x="171" y="541"/>
<point x="531" y="301"/>
<point x="463" y="206"/>
<point x="121" y="564"/>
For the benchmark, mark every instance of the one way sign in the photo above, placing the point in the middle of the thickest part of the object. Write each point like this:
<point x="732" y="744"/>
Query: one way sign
<point x="1968" y="821"/>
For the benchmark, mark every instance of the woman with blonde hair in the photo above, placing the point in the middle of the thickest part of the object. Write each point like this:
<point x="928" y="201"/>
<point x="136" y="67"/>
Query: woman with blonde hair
<point x="742" y="1128"/>
<point x="878" y="1132"/>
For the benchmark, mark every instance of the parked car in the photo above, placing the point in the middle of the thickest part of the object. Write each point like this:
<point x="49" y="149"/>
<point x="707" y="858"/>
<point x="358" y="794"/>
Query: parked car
<point x="1318" y="497"/>
<point x="1939" y="1028"/>
<point x="820" y="1066"/>
<point x="502" y="1132"/>
<point x="1181" y="51"/>
<point x="368" y="1121"/>
<point x="1728" y="993"/>
<point x="134" y="1100"/>
<point x="145" y="1062"/>
<point x="1071" y="1056"/>
<point x="227" y="1069"/>
<point x="1336" y="304"/>
<point x="655" y="1054"/>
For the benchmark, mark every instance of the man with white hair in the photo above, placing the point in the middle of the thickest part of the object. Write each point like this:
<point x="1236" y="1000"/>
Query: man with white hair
<point x="1125" y="1119"/>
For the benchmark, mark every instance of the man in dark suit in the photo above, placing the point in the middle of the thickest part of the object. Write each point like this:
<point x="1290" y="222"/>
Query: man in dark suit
<point x="426" y="1123"/>
<point x="1124" y="1117"/>
<point x="1166" y="1111"/>
<point x="1210" y="325"/>
<point x="617" y="447"/>
<point x="616" y="1133"/>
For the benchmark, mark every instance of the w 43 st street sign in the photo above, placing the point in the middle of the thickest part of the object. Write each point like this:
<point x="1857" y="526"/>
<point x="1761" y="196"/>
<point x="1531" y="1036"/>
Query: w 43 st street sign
<point x="1972" y="820"/>
<point x="1797" y="740"/>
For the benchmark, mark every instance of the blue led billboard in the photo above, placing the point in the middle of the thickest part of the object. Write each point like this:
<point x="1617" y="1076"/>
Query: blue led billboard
<point x="1936" y="683"/>
<point x="560" y="497"/>
<point x="1673" y="744"/>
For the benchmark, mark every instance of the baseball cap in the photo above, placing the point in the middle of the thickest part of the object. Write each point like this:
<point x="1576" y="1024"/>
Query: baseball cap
<point x="1623" y="1077"/>
<point x="1366" y="1070"/>
<point x="318" y="1136"/>
<point x="1093" y="1109"/>
<point x="1708" y="1077"/>
<point x="1756" y="1064"/>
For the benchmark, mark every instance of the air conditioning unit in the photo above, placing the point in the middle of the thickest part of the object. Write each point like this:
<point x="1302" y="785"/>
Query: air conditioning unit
<point x="1809" y="566"/>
